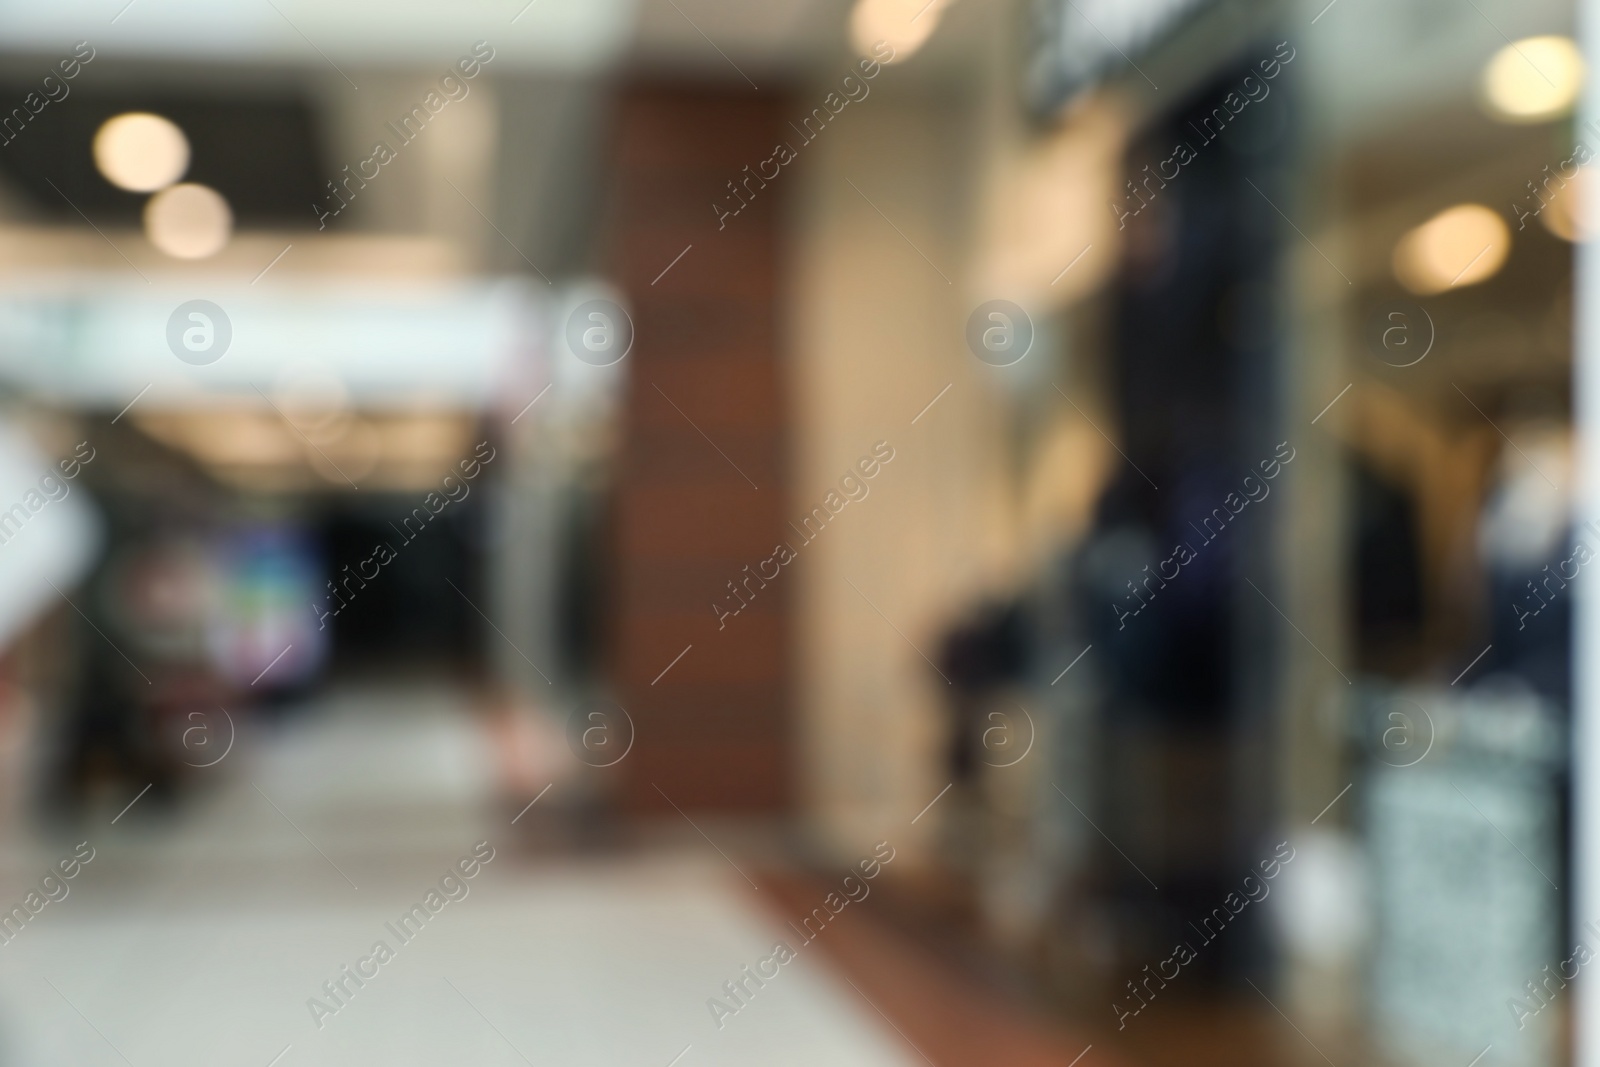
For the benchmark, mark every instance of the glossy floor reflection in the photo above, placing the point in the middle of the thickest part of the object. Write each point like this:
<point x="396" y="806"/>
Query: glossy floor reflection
<point x="204" y="938"/>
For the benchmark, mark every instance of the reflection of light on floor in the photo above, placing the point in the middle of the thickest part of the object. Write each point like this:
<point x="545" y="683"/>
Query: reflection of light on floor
<point x="201" y="943"/>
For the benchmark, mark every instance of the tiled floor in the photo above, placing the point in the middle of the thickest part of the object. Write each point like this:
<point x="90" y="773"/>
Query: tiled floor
<point x="201" y="940"/>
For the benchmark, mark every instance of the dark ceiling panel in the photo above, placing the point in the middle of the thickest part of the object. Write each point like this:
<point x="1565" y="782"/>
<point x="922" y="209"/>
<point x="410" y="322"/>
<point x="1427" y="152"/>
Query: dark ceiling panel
<point x="262" y="154"/>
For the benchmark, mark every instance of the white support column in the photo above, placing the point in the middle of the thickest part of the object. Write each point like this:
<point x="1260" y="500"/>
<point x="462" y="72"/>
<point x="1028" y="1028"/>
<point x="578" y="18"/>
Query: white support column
<point x="1586" y="630"/>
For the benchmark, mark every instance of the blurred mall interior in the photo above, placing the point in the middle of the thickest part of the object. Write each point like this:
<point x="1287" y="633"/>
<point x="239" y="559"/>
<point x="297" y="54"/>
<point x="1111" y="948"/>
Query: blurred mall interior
<point x="1069" y="507"/>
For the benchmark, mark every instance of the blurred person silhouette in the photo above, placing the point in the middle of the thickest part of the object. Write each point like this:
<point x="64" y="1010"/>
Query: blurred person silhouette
<point x="1165" y="696"/>
<point x="986" y="652"/>
<point x="1166" y="641"/>
<point x="1531" y="552"/>
<point x="139" y="629"/>
<point x="990" y="649"/>
<point x="143" y="666"/>
<point x="50" y="534"/>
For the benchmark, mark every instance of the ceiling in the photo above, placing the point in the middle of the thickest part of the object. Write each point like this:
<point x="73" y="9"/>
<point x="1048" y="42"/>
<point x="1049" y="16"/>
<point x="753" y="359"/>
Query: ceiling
<point x="765" y="35"/>
<point x="732" y="38"/>
<point x="554" y="35"/>
<point x="1375" y="64"/>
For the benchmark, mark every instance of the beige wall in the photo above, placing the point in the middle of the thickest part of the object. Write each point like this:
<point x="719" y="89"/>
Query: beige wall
<point x="877" y="333"/>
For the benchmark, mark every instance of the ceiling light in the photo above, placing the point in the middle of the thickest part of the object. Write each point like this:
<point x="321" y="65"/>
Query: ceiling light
<point x="901" y="24"/>
<point x="313" y="398"/>
<point x="1460" y="246"/>
<point x="188" y="221"/>
<point x="1533" y="80"/>
<point x="1567" y="213"/>
<point x="141" y="152"/>
<point x="355" y="454"/>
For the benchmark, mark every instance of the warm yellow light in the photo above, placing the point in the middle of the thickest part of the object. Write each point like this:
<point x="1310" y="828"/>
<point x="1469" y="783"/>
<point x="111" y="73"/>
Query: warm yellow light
<point x="1533" y="80"/>
<point x="314" y="399"/>
<point x="1462" y="245"/>
<point x="1567" y="213"/>
<point x="188" y="221"/>
<point x="141" y="152"/>
<point x="891" y="30"/>
<point x="351" y="456"/>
